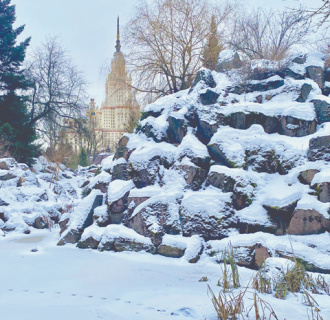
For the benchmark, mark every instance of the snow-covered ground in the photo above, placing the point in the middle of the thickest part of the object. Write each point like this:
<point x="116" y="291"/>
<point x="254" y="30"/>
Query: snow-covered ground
<point x="70" y="284"/>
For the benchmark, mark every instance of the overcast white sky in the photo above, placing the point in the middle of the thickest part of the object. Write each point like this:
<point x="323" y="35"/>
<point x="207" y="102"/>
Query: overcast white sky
<point x="87" y="29"/>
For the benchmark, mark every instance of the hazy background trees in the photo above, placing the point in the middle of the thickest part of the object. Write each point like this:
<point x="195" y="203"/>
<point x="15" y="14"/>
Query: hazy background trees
<point x="263" y="34"/>
<point x="164" y="42"/>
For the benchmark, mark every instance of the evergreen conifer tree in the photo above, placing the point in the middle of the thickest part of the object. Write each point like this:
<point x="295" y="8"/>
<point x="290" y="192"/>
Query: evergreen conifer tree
<point x="83" y="159"/>
<point x="213" y="47"/>
<point x="14" y="120"/>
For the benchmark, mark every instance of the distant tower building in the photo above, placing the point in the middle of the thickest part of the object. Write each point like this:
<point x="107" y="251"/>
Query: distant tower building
<point x="119" y="101"/>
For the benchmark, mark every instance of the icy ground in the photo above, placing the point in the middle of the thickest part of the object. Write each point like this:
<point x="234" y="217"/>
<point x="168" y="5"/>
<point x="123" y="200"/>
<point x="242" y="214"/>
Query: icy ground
<point x="69" y="284"/>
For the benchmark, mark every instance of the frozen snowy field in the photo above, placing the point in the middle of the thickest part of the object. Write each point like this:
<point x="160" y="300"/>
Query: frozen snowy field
<point x="71" y="284"/>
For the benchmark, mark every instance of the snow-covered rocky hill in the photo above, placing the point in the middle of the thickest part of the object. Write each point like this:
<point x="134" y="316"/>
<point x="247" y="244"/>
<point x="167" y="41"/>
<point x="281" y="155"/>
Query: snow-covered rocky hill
<point x="242" y="157"/>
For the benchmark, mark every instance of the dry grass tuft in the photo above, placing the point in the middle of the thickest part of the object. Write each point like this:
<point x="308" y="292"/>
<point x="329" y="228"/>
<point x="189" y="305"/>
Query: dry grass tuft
<point x="228" y="306"/>
<point x="262" y="309"/>
<point x="230" y="278"/>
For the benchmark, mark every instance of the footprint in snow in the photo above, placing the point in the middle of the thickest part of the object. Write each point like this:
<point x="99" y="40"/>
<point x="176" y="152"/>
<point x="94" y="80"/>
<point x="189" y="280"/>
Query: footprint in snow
<point x="187" y="312"/>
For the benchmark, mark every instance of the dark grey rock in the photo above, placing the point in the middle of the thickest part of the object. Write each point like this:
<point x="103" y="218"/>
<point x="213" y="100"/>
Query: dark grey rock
<point x="148" y="173"/>
<point x="194" y="176"/>
<point x="177" y="129"/>
<point x="153" y="133"/>
<point x="209" y="97"/>
<point x="74" y="234"/>
<point x="156" y="219"/>
<point x="219" y="156"/>
<point x="244" y="120"/>
<point x="316" y="74"/>
<point x="151" y="113"/>
<point x="206" y="129"/>
<point x="120" y="172"/>
<point x="206" y="77"/>
<point x="304" y="92"/>
<point x="262" y="160"/>
<point x="205" y="224"/>
<point x="294" y="127"/>
<point x="259" y="86"/>
<point x="220" y="181"/>
<point x="301" y="59"/>
<point x="327" y="74"/>
<point x="322" y="109"/>
<point x="319" y="148"/>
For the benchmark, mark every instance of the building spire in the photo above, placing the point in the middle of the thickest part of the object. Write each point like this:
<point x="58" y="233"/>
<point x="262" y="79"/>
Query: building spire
<point x="118" y="46"/>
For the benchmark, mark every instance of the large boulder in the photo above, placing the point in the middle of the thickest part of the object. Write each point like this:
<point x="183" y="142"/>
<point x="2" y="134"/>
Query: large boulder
<point x="210" y="218"/>
<point x="145" y="173"/>
<point x="228" y="60"/>
<point x="262" y="160"/>
<point x="8" y="163"/>
<point x="304" y="92"/>
<point x="271" y="83"/>
<point x="306" y="176"/>
<point x="118" y="192"/>
<point x="101" y="216"/>
<point x="122" y="150"/>
<point x="244" y="120"/>
<point x="91" y="238"/>
<point x="208" y="122"/>
<point x="172" y="247"/>
<point x="150" y="127"/>
<point x="205" y="78"/>
<point x="156" y="217"/>
<point x="232" y="180"/>
<point x="322" y="109"/>
<point x="177" y="128"/>
<point x="120" y="170"/>
<point x="119" y="238"/>
<point x="281" y="216"/>
<point x="294" y="127"/>
<point x="306" y="222"/>
<point x="41" y="222"/>
<point x="209" y="97"/>
<point x="81" y="218"/>
<point x="193" y="175"/>
<point x="146" y="163"/>
<point x="319" y="148"/>
<point x="317" y="74"/>
<point x="324" y="191"/>
<point x="321" y="183"/>
<point x="191" y="148"/>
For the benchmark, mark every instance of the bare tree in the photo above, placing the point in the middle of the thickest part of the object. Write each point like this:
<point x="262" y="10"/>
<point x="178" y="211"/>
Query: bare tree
<point x="132" y="120"/>
<point x="267" y="34"/>
<point x="59" y="88"/>
<point x="92" y="137"/>
<point x="323" y="13"/>
<point x="165" y="41"/>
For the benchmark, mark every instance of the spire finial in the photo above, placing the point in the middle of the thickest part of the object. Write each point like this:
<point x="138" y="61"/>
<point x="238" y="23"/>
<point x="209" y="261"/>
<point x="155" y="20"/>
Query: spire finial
<point x="118" y="46"/>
